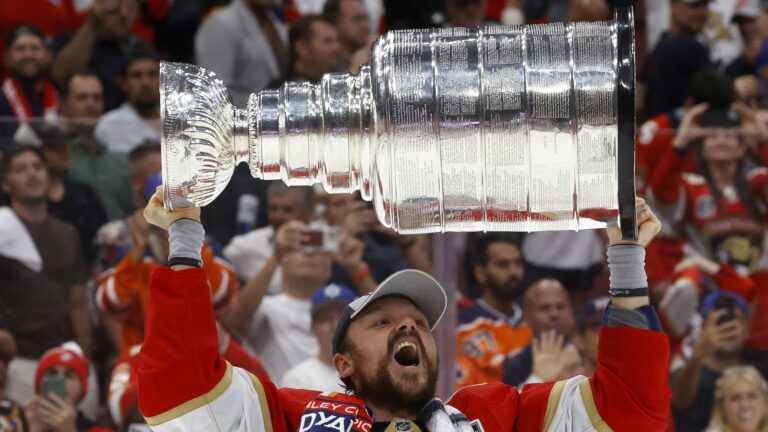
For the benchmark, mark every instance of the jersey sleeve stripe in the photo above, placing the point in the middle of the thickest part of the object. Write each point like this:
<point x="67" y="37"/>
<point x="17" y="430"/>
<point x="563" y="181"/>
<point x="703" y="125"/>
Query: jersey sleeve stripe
<point x="195" y="403"/>
<point x="589" y="403"/>
<point x="263" y="402"/>
<point x="552" y="403"/>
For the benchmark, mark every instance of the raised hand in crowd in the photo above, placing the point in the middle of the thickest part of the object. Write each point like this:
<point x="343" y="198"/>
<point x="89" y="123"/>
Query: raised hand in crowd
<point x="350" y="257"/>
<point x="754" y="126"/>
<point x="139" y="229"/>
<point x="700" y="262"/>
<point x="689" y="130"/>
<point x="50" y="413"/>
<point x="349" y="254"/>
<point x="718" y="335"/>
<point x="553" y="358"/>
<point x="288" y="237"/>
<point x="360" y="219"/>
<point x="361" y="56"/>
<point x="100" y="11"/>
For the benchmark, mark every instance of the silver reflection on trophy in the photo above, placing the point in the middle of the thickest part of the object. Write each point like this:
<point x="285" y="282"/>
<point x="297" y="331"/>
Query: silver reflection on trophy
<point x="499" y="128"/>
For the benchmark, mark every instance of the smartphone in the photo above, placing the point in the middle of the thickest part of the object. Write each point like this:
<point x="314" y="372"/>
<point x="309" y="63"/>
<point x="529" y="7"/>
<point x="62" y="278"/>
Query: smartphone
<point x="729" y="305"/>
<point x="324" y="239"/>
<point x="53" y="384"/>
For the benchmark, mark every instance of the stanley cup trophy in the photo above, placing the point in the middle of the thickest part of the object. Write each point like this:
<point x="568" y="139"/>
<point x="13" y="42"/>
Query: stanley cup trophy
<point x="499" y="128"/>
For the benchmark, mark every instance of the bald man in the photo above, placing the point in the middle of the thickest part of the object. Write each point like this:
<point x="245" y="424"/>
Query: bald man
<point x="548" y="307"/>
<point x="551" y="355"/>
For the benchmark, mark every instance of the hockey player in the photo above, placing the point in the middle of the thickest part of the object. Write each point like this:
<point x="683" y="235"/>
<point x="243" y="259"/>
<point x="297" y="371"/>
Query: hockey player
<point x="385" y="354"/>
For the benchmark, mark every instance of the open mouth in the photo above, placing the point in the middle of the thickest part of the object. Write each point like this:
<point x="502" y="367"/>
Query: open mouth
<point x="407" y="354"/>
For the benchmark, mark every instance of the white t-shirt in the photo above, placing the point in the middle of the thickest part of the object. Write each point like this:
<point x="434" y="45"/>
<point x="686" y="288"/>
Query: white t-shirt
<point x="122" y="129"/>
<point x="249" y="252"/>
<point x="280" y="333"/>
<point x="565" y="250"/>
<point x="313" y="374"/>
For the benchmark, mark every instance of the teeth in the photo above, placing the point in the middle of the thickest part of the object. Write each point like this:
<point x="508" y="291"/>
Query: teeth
<point x="746" y="416"/>
<point x="404" y="344"/>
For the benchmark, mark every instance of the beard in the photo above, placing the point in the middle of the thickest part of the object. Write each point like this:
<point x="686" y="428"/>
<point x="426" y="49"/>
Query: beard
<point x="147" y="105"/>
<point x="397" y="394"/>
<point x="507" y="290"/>
<point x="28" y="76"/>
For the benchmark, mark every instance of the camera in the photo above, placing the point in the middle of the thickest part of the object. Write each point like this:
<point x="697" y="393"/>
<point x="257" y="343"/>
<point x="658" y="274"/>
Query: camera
<point x="321" y="239"/>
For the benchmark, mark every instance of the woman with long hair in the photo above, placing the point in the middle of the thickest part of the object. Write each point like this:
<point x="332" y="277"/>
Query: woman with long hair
<point x="741" y="401"/>
<point x="721" y="211"/>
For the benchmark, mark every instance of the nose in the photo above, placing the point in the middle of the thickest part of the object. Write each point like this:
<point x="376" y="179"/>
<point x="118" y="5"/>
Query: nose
<point x="406" y="324"/>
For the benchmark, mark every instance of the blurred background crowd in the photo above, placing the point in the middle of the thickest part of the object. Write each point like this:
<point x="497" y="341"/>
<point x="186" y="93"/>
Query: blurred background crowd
<point x="80" y="156"/>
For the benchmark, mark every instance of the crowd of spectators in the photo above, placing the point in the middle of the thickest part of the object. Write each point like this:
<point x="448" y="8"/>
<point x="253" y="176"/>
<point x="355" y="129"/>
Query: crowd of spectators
<point x="80" y="157"/>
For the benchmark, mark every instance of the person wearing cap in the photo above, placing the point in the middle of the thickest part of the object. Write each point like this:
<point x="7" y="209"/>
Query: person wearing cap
<point x="720" y="345"/>
<point x="318" y="372"/>
<point x="277" y="328"/>
<point x="385" y="354"/>
<point x="138" y="118"/>
<point x="50" y="411"/>
<point x="746" y="18"/>
<point x="676" y="57"/>
<point x="721" y="208"/>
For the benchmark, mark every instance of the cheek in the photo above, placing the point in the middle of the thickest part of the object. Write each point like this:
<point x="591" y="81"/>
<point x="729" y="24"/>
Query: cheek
<point x="74" y="388"/>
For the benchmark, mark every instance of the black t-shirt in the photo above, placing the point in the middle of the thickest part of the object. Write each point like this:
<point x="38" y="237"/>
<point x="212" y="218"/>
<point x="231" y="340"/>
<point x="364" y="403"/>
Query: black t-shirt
<point x="220" y="216"/>
<point x="37" y="304"/>
<point x="669" y="69"/>
<point x="697" y="416"/>
<point x="81" y="207"/>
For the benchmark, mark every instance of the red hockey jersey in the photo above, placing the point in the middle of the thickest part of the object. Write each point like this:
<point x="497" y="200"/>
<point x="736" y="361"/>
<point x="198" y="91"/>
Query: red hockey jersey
<point x="184" y="384"/>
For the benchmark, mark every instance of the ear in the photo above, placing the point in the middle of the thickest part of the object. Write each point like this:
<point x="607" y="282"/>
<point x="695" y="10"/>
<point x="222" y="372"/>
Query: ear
<point x="480" y="275"/>
<point x="344" y="364"/>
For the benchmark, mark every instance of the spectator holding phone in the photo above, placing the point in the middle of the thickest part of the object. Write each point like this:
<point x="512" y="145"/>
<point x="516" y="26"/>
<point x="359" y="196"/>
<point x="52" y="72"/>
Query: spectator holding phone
<point x="61" y="382"/>
<point x="719" y="346"/>
<point x="277" y="328"/>
<point x="251" y="252"/>
<point x="741" y="401"/>
<point x="720" y="209"/>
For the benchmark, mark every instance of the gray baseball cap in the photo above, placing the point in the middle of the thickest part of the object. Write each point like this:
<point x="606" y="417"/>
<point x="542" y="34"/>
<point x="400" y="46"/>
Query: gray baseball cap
<point x="420" y="288"/>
